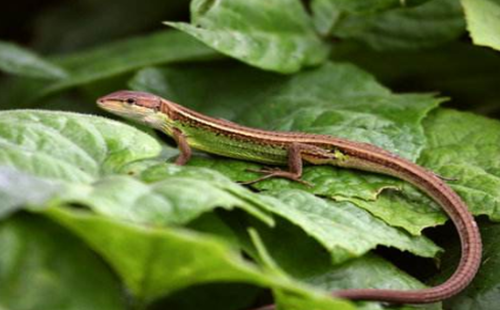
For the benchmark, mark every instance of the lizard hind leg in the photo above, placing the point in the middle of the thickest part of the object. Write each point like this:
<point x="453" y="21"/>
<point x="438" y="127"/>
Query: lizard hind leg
<point x="293" y="173"/>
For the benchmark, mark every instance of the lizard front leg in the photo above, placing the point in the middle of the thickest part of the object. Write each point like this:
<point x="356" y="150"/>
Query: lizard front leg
<point x="183" y="146"/>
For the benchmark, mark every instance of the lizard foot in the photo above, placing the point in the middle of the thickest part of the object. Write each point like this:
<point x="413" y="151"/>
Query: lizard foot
<point x="275" y="173"/>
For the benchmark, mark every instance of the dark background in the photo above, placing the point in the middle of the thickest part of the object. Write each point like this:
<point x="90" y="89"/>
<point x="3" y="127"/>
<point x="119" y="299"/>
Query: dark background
<point x="59" y="26"/>
<point x="468" y="74"/>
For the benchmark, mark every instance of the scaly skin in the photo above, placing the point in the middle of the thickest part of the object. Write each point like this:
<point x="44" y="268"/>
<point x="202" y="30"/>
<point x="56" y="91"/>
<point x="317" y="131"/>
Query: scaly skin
<point x="191" y="129"/>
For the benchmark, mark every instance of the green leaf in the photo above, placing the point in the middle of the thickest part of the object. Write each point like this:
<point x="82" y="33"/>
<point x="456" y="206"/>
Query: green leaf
<point x="153" y="271"/>
<point x="70" y="147"/>
<point x="428" y="25"/>
<point x="466" y="147"/>
<point x="116" y="59"/>
<point x="407" y="209"/>
<point x="334" y="225"/>
<point x="43" y="267"/>
<point x="17" y="60"/>
<point x="257" y="32"/>
<point x="173" y="200"/>
<point x="127" y="55"/>
<point x="13" y="195"/>
<point x="325" y="220"/>
<point x="483" y="21"/>
<point x="370" y="271"/>
<point x="345" y="230"/>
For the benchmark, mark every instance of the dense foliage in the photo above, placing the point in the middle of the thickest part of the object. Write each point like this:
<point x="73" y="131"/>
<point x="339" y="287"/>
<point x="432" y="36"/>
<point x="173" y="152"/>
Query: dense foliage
<point x="94" y="215"/>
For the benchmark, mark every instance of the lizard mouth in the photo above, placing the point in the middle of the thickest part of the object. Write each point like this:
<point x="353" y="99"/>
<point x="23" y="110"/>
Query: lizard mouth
<point x="110" y="105"/>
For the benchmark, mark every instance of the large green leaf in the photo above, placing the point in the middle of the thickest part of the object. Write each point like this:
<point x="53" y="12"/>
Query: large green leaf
<point x="128" y="55"/>
<point x="113" y="60"/>
<point x="42" y="267"/>
<point x="391" y="200"/>
<point x="70" y="147"/>
<point x="483" y="21"/>
<point x="17" y="60"/>
<point x="461" y="146"/>
<point x="12" y="180"/>
<point x="154" y="262"/>
<point x="157" y="262"/>
<point x="258" y="32"/>
<point x="466" y="147"/>
<point x="338" y="227"/>
<point x="344" y="229"/>
<point x="173" y="200"/>
<point x="407" y="208"/>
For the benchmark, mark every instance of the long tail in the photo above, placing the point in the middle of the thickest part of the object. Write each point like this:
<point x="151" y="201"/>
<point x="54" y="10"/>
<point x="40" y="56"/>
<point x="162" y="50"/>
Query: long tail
<point x="468" y="231"/>
<point x="456" y="209"/>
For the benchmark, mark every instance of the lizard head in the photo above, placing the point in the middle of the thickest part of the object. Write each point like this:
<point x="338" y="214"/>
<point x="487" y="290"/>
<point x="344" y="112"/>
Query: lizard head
<point x="137" y="106"/>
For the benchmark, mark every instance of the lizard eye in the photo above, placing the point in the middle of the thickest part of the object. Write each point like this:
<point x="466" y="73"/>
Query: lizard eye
<point x="130" y="101"/>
